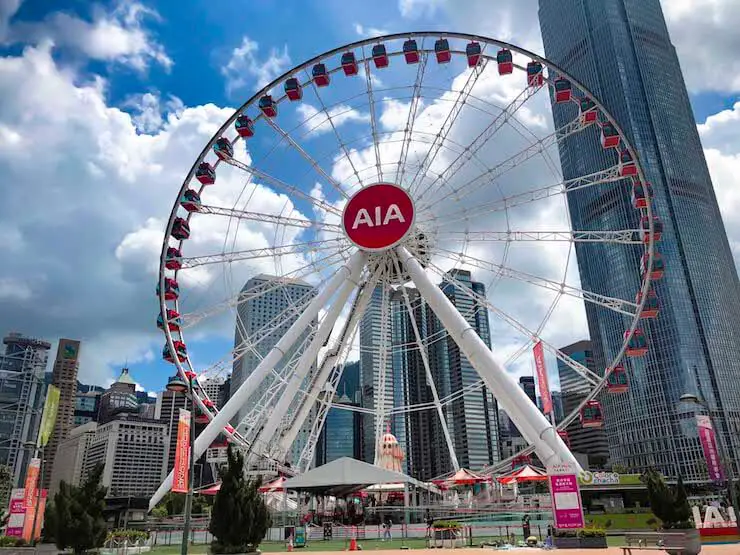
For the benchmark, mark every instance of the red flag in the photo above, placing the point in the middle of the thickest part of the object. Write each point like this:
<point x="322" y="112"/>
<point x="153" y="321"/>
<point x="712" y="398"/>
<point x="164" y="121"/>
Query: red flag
<point x="182" y="453"/>
<point x="539" y="363"/>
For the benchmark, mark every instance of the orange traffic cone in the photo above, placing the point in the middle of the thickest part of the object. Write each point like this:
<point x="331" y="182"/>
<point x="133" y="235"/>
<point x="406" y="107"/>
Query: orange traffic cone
<point x="353" y="544"/>
<point x="290" y="544"/>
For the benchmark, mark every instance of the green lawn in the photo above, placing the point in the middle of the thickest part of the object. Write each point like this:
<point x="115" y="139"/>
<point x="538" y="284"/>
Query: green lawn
<point x="318" y="545"/>
<point x="623" y="521"/>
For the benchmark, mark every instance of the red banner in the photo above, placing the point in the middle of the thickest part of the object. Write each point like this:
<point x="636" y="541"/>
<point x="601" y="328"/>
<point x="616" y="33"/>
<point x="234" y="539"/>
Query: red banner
<point x="709" y="446"/>
<point x="32" y="478"/>
<point x="182" y="453"/>
<point x="539" y="363"/>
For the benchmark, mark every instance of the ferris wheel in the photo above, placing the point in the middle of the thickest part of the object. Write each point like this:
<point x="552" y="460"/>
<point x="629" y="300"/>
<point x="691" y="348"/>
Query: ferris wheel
<point x="374" y="176"/>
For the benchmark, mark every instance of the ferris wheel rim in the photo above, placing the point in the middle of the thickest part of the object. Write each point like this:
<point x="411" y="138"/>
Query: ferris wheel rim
<point x="164" y="273"/>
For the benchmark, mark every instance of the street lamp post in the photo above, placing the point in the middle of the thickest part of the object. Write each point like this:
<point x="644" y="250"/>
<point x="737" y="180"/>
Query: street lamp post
<point x="179" y="385"/>
<point x="723" y="453"/>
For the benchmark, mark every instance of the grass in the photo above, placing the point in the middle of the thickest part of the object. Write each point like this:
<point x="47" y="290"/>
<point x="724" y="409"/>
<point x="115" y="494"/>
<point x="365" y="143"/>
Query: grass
<point x="623" y="521"/>
<point x="316" y="545"/>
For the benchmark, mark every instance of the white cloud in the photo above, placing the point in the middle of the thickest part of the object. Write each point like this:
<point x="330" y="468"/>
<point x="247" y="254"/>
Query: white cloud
<point x="365" y="32"/>
<point x="118" y="36"/>
<point x="246" y="70"/>
<point x="14" y="290"/>
<point x="316" y="122"/>
<point x="416" y="9"/>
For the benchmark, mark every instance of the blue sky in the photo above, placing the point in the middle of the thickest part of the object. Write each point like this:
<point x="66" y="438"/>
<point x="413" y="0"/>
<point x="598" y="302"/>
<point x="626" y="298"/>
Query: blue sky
<point x="178" y="70"/>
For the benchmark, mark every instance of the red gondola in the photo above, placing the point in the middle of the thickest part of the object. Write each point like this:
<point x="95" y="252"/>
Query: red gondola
<point x="535" y="77"/>
<point x="207" y="402"/>
<point x="380" y="56"/>
<point x="589" y="111"/>
<point x="563" y="90"/>
<point x="229" y="428"/>
<point x="564" y="436"/>
<point x="219" y="443"/>
<point x="191" y="376"/>
<point x="616" y="380"/>
<point x="268" y="106"/>
<point x="637" y="345"/>
<point x="190" y="200"/>
<point x="349" y="63"/>
<point x="171" y="289"/>
<point x="173" y="320"/>
<point x="411" y="52"/>
<point x="609" y="135"/>
<point x="205" y="173"/>
<point x="180" y="349"/>
<point x="442" y="51"/>
<point x="505" y="61"/>
<point x="627" y="165"/>
<point x="320" y="75"/>
<point x="201" y="418"/>
<point x="645" y="229"/>
<point x="293" y="89"/>
<point x="641" y="194"/>
<point x="650" y="309"/>
<point x="173" y="259"/>
<point x="521" y="460"/>
<point x="592" y="415"/>
<point x="658" y="266"/>
<point x="473" y="52"/>
<point x="180" y="229"/>
<point x="244" y="126"/>
<point x="223" y="148"/>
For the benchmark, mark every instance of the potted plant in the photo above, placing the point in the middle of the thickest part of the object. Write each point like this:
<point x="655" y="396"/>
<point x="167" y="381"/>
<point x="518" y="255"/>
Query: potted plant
<point x="566" y="539"/>
<point x="671" y="506"/>
<point x="448" y="532"/>
<point x="592" y="538"/>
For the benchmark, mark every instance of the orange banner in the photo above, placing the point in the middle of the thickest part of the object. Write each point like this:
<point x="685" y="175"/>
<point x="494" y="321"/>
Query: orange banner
<point x="32" y="478"/>
<point x="182" y="453"/>
<point x="32" y="513"/>
<point x="539" y="364"/>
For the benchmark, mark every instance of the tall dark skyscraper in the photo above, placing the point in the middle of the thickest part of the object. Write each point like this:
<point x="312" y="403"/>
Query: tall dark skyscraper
<point x="621" y="51"/>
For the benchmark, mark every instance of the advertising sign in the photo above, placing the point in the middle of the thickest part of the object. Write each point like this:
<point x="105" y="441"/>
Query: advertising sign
<point x="16" y="513"/>
<point x="566" y="496"/>
<point x="31" y="514"/>
<point x="32" y="478"/>
<point x="539" y="364"/>
<point x="709" y="446"/>
<point x="182" y="453"/>
<point x="378" y="217"/>
<point x="51" y="405"/>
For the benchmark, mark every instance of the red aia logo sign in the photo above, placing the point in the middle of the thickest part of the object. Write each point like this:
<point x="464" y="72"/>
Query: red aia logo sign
<point x="378" y="217"/>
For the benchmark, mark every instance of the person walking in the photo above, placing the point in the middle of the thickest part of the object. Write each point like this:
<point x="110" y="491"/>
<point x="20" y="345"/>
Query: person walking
<point x="526" y="530"/>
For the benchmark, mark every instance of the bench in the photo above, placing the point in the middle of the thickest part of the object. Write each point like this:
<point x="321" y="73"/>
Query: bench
<point x="653" y="541"/>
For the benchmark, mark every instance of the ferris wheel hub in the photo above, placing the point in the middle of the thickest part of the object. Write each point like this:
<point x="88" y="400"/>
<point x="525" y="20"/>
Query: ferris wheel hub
<point x="378" y="217"/>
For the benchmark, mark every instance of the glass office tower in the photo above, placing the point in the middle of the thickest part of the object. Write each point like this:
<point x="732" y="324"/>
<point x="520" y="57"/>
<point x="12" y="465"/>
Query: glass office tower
<point x="621" y="51"/>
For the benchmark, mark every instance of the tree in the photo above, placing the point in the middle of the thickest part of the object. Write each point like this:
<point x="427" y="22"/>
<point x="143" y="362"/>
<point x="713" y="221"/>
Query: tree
<point x="76" y="518"/>
<point x="669" y="504"/>
<point x="240" y="519"/>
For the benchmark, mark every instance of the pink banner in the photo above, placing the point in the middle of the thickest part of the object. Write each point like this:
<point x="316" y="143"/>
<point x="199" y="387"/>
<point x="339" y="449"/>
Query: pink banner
<point x="539" y="363"/>
<point x="709" y="446"/>
<point x="17" y="513"/>
<point x="566" y="497"/>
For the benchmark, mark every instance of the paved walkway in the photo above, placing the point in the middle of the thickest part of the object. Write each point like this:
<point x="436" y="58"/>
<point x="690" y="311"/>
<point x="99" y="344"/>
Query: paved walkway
<point x="727" y="549"/>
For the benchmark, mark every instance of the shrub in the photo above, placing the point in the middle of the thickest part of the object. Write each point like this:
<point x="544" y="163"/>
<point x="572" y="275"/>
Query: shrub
<point x="591" y="533"/>
<point x="447" y="524"/>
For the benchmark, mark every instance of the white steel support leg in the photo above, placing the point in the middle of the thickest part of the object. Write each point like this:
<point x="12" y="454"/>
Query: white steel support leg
<point x="344" y="343"/>
<point x="430" y="380"/>
<point x="216" y="426"/>
<point x="308" y="359"/>
<point x="531" y="422"/>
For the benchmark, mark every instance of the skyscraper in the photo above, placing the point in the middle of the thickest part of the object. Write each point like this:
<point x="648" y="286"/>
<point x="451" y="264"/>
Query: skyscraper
<point x="621" y="50"/>
<point x="590" y="442"/>
<point x="21" y="400"/>
<point x="64" y="376"/>
<point x="266" y="302"/>
<point x="527" y="384"/>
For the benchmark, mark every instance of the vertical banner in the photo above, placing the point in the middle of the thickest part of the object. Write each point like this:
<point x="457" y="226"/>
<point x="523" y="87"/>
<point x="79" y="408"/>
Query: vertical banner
<point x="566" y="496"/>
<point x="30" y="496"/>
<point x="182" y="453"/>
<point x="51" y="405"/>
<point x="539" y="363"/>
<point x="16" y="513"/>
<point x="709" y="446"/>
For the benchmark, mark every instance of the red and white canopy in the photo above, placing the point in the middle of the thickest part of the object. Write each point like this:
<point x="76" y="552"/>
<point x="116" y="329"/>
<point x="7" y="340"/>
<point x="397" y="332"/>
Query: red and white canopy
<point x="524" y="473"/>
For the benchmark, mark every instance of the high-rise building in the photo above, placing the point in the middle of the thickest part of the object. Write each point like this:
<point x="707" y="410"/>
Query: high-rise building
<point x="70" y="460"/>
<point x="341" y="433"/>
<point x="591" y="442"/>
<point x="133" y="452"/>
<point x="266" y="302"/>
<point x="64" y="376"/>
<point x="22" y="389"/>
<point x="167" y="412"/>
<point x="86" y="407"/>
<point x="216" y="389"/>
<point x="527" y="384"/>
<point x="621" y="51"/>
<point x="119" y="397"/>
<point x="557" y="405"/>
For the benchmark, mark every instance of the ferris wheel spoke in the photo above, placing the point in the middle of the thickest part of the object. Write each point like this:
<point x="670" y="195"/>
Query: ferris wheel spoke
<point x="308" y="158"/>
<point x="408" y="130"/>
<point x="508" y="113"/>
<point x="373" y="118"/>
<point x="620" y="236"/>
<point x="269" y="218"/>
<point x="281" y="185"/>
<point x="446" y="126"/>
<point x="189" y="319"/>
<point x="587" y="374"/>
<point x="605" y="177"/>
<point x="618" y="305"/>
<point x="266" y="252"/>
<point x="492" y="174"/>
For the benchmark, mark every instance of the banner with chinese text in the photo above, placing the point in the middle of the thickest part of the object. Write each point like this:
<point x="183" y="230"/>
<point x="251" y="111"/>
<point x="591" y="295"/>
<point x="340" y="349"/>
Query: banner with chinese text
<point x="539" y="363"/>
<point x="709" y="446"/>
<point x="566" y="496"/>
<point x="182" y="453"/>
